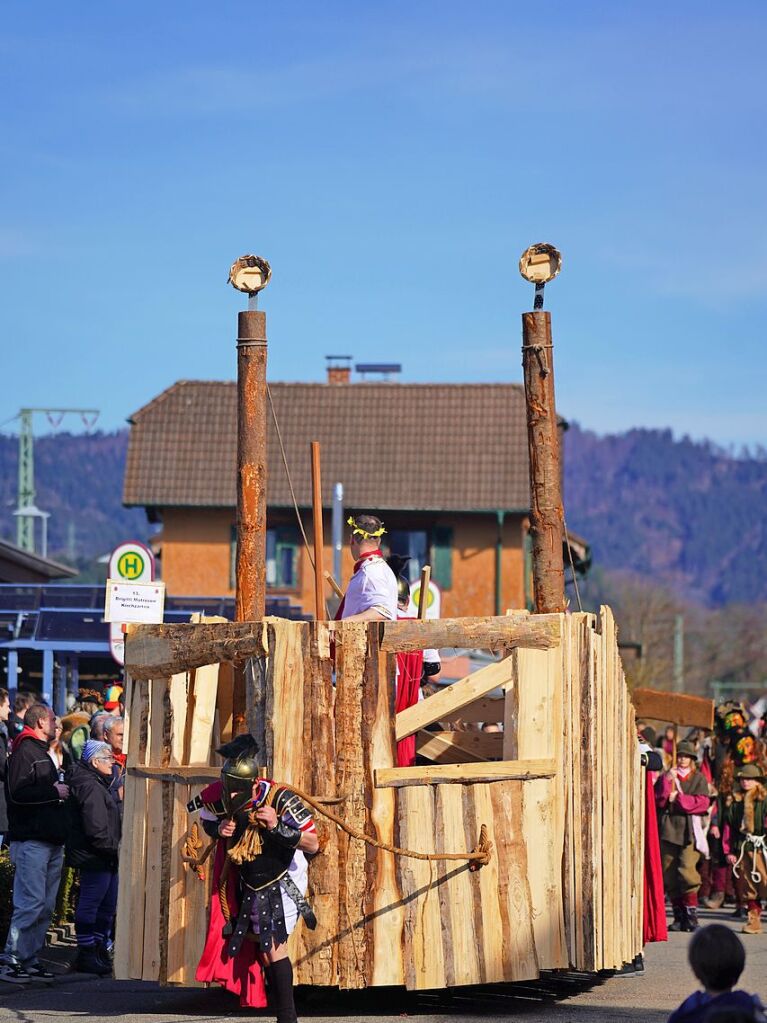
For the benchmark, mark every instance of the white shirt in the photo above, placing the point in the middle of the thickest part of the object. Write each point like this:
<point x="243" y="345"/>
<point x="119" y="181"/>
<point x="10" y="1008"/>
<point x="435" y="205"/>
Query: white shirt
<point x="372" y="586"/>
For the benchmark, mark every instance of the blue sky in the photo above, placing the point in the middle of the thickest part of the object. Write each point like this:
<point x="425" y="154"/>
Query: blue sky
<point x="392" y="162"/>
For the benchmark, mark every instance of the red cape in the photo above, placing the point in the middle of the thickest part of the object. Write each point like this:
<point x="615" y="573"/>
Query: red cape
<point x="241" y="975"/>
<point x="654" y="926"/>
<point x="409" y="670"/>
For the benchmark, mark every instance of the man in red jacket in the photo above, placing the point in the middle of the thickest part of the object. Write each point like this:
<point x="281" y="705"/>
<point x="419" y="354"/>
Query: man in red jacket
<point x="37" y="824"/>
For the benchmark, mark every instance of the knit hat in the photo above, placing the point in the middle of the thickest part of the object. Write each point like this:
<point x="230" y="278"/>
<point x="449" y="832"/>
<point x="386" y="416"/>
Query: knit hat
<point x="95" y="748"/>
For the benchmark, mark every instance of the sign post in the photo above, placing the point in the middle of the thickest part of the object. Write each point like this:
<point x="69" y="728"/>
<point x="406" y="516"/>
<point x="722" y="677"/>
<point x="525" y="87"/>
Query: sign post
<point x="130" y="562"/>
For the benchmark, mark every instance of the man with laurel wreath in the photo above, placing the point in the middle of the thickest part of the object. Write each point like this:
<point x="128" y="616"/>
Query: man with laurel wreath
<point x="371" y="595"/>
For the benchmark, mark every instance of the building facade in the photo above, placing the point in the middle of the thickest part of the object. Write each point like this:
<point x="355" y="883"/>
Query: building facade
<point x="444" y="465"/>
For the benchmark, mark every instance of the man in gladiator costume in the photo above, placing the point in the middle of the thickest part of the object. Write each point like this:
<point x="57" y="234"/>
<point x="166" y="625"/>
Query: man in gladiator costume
<point x="264" y="834"/>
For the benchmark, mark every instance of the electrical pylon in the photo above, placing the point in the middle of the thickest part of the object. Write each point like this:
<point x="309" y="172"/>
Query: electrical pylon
<point x="25" y="524"/>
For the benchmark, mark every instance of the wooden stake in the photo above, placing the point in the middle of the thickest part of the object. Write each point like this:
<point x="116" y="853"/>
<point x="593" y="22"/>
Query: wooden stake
<point x="320" y="611"/>
<point x="333" y="584"/>
<point x="423" y="596"/>
<point x="546" y="512"/>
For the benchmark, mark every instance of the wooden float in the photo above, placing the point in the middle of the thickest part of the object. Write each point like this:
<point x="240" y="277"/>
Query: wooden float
<point x="560" y="792"/>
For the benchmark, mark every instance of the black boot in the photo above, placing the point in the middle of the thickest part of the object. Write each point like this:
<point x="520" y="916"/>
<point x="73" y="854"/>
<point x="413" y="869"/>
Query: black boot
<point x="680" y="919"/>
<point x="88" y="961"/>
<point x="104" y="956"/>
<point x="691" y="923"/>
<point x="279" y="978"/>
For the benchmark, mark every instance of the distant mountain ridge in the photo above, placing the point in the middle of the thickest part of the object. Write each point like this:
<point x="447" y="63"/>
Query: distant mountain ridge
<point x="78" y="479"/>
<point x="682" y="513"/>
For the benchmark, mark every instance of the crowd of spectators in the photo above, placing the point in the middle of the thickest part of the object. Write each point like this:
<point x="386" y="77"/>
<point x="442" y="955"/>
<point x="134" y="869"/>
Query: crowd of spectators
<point x="711" y="797"/>
<point x="61" y="800"/>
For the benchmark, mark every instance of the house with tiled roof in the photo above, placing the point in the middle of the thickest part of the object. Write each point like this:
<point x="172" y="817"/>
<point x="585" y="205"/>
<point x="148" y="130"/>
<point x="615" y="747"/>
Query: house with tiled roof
<point x="444" y="465"/>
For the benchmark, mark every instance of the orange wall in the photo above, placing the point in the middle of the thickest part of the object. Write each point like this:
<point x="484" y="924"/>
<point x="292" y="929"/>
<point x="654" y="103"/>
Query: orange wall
<point x="196" y="552"/>
<point x="196" y="559"/>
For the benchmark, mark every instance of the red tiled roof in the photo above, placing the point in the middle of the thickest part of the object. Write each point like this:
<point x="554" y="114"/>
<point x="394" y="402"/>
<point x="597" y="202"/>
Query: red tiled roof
<point x="447" y="447"/>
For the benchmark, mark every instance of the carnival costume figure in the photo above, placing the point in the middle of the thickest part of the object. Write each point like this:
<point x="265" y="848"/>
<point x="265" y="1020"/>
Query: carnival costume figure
<point x="745" y="842"/>
<point x="372" y="591"/>
<point x="259" y="879"/>
<point x="682" y="799"/>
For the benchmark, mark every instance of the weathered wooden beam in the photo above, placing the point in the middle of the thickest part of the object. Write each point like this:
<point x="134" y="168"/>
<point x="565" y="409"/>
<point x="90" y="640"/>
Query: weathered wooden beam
<point x="465" y="774"/>
<point x="460" y="747"/>
<point x="541" y="632"/>
<point x="676" y="708"/>
<point x="180" y="775"/>
<point x="488" y="708"/>
<point x="446" y="703"/>
<point x="159" y="651"/>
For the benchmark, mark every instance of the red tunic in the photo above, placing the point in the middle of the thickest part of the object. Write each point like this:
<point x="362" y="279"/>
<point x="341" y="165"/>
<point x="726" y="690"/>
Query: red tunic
<point x="241" y="975"/>
<point x="654" y="927"/>
<point x="409" y="671"/>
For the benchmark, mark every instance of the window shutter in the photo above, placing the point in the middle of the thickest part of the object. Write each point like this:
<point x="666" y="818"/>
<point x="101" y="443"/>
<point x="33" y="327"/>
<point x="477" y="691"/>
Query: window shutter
<point x="442" y="556"/>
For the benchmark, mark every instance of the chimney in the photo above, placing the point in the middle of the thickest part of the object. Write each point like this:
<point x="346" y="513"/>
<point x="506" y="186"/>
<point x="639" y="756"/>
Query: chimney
<point x="339" y="368"/>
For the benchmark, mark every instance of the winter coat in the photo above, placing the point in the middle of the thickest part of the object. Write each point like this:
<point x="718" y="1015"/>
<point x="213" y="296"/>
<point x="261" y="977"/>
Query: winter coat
<point x="35" y="811"/>
<point x="675" y="823"/>
<point x="696" y="1008"/>
<point x="93" y="820"/>
<point x="3" y="773"/>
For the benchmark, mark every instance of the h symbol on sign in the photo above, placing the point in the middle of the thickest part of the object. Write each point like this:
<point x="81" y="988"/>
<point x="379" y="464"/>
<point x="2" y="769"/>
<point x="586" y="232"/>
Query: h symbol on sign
<point x="131" y="565"/>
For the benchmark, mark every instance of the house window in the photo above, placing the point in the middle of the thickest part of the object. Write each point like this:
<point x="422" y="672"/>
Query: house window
<point x="282" y="551"/>
<point x="282" y="548"/>
<point x="442" y="556"/>
<point x="413" y="544"/>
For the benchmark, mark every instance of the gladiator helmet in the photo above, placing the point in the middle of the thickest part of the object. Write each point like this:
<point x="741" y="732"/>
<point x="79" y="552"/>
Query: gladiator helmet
<point x="239" y="771"/>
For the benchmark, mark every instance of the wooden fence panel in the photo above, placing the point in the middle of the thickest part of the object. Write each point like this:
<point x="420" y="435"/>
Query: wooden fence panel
<point x="562" y="887"/>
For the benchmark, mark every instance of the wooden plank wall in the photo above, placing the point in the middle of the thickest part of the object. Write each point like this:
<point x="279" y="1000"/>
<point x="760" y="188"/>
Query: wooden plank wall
<point x="603" y="800"/>
<point x="563" y="887"/>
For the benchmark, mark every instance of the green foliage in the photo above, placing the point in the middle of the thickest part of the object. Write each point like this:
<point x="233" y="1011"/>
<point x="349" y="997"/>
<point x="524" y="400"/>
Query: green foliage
<point x="66" y="900"/>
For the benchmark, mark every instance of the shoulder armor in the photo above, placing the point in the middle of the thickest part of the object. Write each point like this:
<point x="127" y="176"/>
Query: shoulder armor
<point x="286" y="801"/>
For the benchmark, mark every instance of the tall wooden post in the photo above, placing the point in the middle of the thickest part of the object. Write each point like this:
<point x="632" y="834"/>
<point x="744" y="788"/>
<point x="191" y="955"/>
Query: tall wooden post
<point x="546" y="512"/>
<point x="249" y="691"/>
<point x="251" y="466"/>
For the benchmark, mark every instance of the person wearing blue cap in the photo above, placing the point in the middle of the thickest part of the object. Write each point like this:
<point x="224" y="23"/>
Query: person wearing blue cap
<point x="92" y="843"/>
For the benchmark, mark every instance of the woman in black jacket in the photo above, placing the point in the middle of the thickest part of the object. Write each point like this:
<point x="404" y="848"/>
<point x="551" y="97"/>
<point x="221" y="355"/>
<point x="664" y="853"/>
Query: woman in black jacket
<point x="93" y="839"/>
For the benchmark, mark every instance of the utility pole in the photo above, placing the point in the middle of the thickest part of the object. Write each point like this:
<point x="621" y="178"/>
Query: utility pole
<point x="25" y="521"/>
<point x="540" y="264"/>
<point x="678" y="654"/>
<point x="250" y="274"/>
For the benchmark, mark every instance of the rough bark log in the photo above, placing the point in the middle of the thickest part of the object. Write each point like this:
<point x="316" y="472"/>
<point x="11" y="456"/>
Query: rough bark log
<point x="516" y="629"/>
<point x="159" y="651"/>
<point x="546" y="512"/>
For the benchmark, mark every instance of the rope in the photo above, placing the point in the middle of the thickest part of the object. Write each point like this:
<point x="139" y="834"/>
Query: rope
<point x="290" y="481"/>
<point x="480" y="855"/>
<point x="759" y="842"/>
<point x="572" y="565"/>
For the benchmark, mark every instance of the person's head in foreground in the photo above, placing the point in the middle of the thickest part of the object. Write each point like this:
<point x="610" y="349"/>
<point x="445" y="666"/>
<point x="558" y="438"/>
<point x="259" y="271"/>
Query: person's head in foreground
<point x="717" y="959"/>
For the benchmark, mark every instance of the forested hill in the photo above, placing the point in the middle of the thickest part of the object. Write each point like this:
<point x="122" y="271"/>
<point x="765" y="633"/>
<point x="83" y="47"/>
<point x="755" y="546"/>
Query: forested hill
<point x="78" y="479"/>
<point x="682" y="513"/>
